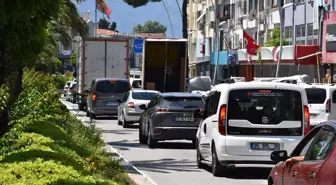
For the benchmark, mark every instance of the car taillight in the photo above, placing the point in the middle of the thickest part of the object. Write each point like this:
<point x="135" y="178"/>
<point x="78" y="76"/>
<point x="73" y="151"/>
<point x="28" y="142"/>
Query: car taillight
<point x="161" y="110"/>
<point x="131" y="105"/>
<point x="222" y="120"/>
<point x="94" y="96"/>
<point x="328" y="106"/>
<point x="306" y="120"/>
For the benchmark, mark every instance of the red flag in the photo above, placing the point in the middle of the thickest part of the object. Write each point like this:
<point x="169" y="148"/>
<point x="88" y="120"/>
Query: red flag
<point x="103" y="8"/>
<point x="251" y="47"/>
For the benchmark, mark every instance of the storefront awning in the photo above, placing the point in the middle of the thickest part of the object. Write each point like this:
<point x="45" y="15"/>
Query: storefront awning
<point x="287" y="53"/>
<point x="266" y="54"/>
<point x="306" y="54"/>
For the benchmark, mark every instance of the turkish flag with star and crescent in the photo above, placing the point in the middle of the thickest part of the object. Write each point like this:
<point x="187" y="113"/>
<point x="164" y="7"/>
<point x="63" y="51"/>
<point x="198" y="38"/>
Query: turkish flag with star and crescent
<point x="251" y="47"/>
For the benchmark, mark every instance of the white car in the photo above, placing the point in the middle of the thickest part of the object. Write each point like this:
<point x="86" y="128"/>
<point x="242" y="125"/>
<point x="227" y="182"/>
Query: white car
<point x="244" y="122"/>
<point x="322" y="102"/>
<point x="129" y="111"/>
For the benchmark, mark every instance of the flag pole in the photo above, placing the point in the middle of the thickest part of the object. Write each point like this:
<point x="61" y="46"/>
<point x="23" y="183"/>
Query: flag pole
<point x="96" y="24"/>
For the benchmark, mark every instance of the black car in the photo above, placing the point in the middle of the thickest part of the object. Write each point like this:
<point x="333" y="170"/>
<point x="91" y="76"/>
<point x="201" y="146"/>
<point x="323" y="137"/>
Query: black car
<point x="169" y="116"/>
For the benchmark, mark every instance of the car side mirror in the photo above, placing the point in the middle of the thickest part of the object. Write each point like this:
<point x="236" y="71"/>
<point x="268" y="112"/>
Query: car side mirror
<point x="279" y="155"/>
<point x="198" y="113"/>
<point x="119" y="101"/>
<point x="143" y="107"/>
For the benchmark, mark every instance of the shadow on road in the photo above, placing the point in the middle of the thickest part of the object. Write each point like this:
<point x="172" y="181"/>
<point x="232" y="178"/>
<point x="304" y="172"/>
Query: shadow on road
<point x="126" y="144"/>
<point x="106" y="118"/>
<point x="167" y="165"/>
<point x="119" y="132"/>
<point x="245" y="173"/>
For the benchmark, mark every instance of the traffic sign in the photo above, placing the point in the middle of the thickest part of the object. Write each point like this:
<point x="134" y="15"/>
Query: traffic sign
<point x="137" y="45"/>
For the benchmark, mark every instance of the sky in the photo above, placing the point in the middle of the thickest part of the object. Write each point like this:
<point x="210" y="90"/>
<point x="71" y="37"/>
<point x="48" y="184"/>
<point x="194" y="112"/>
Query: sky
<point x="127" y="17"/>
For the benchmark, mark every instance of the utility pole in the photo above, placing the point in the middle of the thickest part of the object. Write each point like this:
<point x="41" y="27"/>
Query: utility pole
<point x="281" y="38"/>
<point x="305" y="18"/>
<point x="258" y="17"/>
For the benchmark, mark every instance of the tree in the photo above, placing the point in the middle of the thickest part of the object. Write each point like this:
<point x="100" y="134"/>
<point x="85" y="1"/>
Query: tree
<point x="29" y="34"/>
<point x="274" y="39"/>
<point x="73" y="58"/>
<point x="105" y="24"/>
<point x="139" y="3"/>
<point x="150" y="27"/>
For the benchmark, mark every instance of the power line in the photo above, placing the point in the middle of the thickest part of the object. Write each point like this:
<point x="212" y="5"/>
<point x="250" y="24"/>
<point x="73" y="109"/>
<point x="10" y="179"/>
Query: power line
<point x="179" y="7"/>
<point x="171" y="25"/>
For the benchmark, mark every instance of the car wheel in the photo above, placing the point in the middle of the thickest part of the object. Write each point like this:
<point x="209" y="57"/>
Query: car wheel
<point x="194" y="143"/>
<point x="125" y="123"/>
<point x="150" y="141"/>
<point x="119" y="122"/>
<point x="93" y="116"/>
<point x="142" y="138"/>
<point x="217" y="168"/>
<point x="199" y="159"/>
<point x="81" y="107"/>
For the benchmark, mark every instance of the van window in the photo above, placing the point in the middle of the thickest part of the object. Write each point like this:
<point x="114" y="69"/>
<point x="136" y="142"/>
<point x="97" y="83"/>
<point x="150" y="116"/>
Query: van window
<point x="143" y="95"/>
<point x="334" y="96"/>
<point x="136" y="84"/>
<point x="267" y="107"/>
<point x="182" y="102"/>
<point x="106" y="86"/>
<point x="316" y="95"/>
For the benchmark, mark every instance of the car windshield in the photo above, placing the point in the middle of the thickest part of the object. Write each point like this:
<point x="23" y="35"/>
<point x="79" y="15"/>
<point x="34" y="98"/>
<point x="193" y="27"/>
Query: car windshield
<point x="182" y="102"/>
<point x="316" y="95"/>
<point x="112" y="86"/>
<point x="266" y="107"/>
<point x="143" y="95"/>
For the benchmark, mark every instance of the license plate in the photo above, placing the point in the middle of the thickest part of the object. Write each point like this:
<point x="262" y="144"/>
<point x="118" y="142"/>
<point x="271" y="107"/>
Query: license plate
<point x="313" y="115"/>
<point x="265" y="146"/>
<point x="185" y="119"/>
<point x="112" y="103"/>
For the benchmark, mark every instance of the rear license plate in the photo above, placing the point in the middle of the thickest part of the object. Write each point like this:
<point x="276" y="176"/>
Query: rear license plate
<point x="265" y="146"/>
<point x="313" y="115"/>
<point x="112" y="103"/>
<point x="185" y="119"/>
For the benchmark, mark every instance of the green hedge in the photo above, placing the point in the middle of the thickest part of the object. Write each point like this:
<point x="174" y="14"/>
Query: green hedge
<point x="48" y="145"/>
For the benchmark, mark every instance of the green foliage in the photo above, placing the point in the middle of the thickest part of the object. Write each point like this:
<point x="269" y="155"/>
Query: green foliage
<point x="105" y="24"/>
<point x="48" y="145"/>
<point x="73" y="58"/>
<point x="139" y="3"/>
<point x="60" y="81"/>
<point x="274" y="39"/>
<point x="150" y="27"/>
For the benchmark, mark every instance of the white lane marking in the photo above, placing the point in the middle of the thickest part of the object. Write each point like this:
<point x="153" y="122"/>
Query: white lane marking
<point x="71" y="109"/>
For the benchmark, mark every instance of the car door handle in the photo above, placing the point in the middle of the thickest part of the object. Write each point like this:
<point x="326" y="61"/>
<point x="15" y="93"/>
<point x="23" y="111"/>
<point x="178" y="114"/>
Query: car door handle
<point x="294" y="174"/>
<point x="312" y="175"/>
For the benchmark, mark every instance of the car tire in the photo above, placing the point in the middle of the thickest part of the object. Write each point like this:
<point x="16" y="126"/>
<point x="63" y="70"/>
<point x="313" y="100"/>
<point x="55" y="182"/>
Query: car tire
<point x="199" y="159"/>
<point x="150" y="141"/>
<point x="81" y="107"/>
<point x="125" y="123"/>
<point x="142" y="138"/>
<point x="217" y="168"/>
<point x="194" y="143"/>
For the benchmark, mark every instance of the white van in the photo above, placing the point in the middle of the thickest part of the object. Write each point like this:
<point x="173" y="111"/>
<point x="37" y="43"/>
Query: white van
<point x="322" y="102"/>
<point x="244" y="122"/>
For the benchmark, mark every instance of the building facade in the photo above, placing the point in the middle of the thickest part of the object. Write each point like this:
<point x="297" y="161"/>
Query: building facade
<point x="225" y="20"/>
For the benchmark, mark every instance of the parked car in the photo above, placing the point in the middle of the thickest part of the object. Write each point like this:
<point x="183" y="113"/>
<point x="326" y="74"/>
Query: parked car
<point x="128" y="110"/>
<point x="322" y="102"/>
<point x="73" y="92"/>
<point x="244" y="122"/>
<point x="103" y="96"/>
<point x="70" y="92"/>
<point x="66" y="87"/>
<point x="168" y="116"/>
<point x="312" y="162"/>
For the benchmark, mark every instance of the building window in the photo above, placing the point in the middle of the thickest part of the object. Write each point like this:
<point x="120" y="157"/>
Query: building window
<point x="289" y="35"/>
<point x="232" y="12"/>
<point x="251" y="5"/>
<point x="261" y="6"/>
<point x="275" y="3"/>
<point x="244" y="7"/>
<point x="310" y="29"/>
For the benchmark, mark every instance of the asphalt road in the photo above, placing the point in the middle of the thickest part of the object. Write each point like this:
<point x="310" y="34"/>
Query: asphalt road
<point x="172" y="163"/>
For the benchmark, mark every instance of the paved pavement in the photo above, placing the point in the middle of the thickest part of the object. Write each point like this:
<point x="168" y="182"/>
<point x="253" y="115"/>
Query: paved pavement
<point x="172" y="163"/>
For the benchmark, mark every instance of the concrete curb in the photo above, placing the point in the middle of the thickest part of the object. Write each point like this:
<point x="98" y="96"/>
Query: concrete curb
<point x="145" y="179"/>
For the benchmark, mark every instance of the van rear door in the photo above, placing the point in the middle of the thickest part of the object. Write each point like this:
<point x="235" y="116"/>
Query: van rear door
<point x="318" y="103"/>
<point x="109" y="91"/>
<point x="257" y="117"/>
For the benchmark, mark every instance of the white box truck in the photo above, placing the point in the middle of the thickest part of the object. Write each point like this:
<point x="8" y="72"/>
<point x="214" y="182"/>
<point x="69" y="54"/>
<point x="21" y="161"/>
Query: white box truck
<point x="100" y="58"/>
